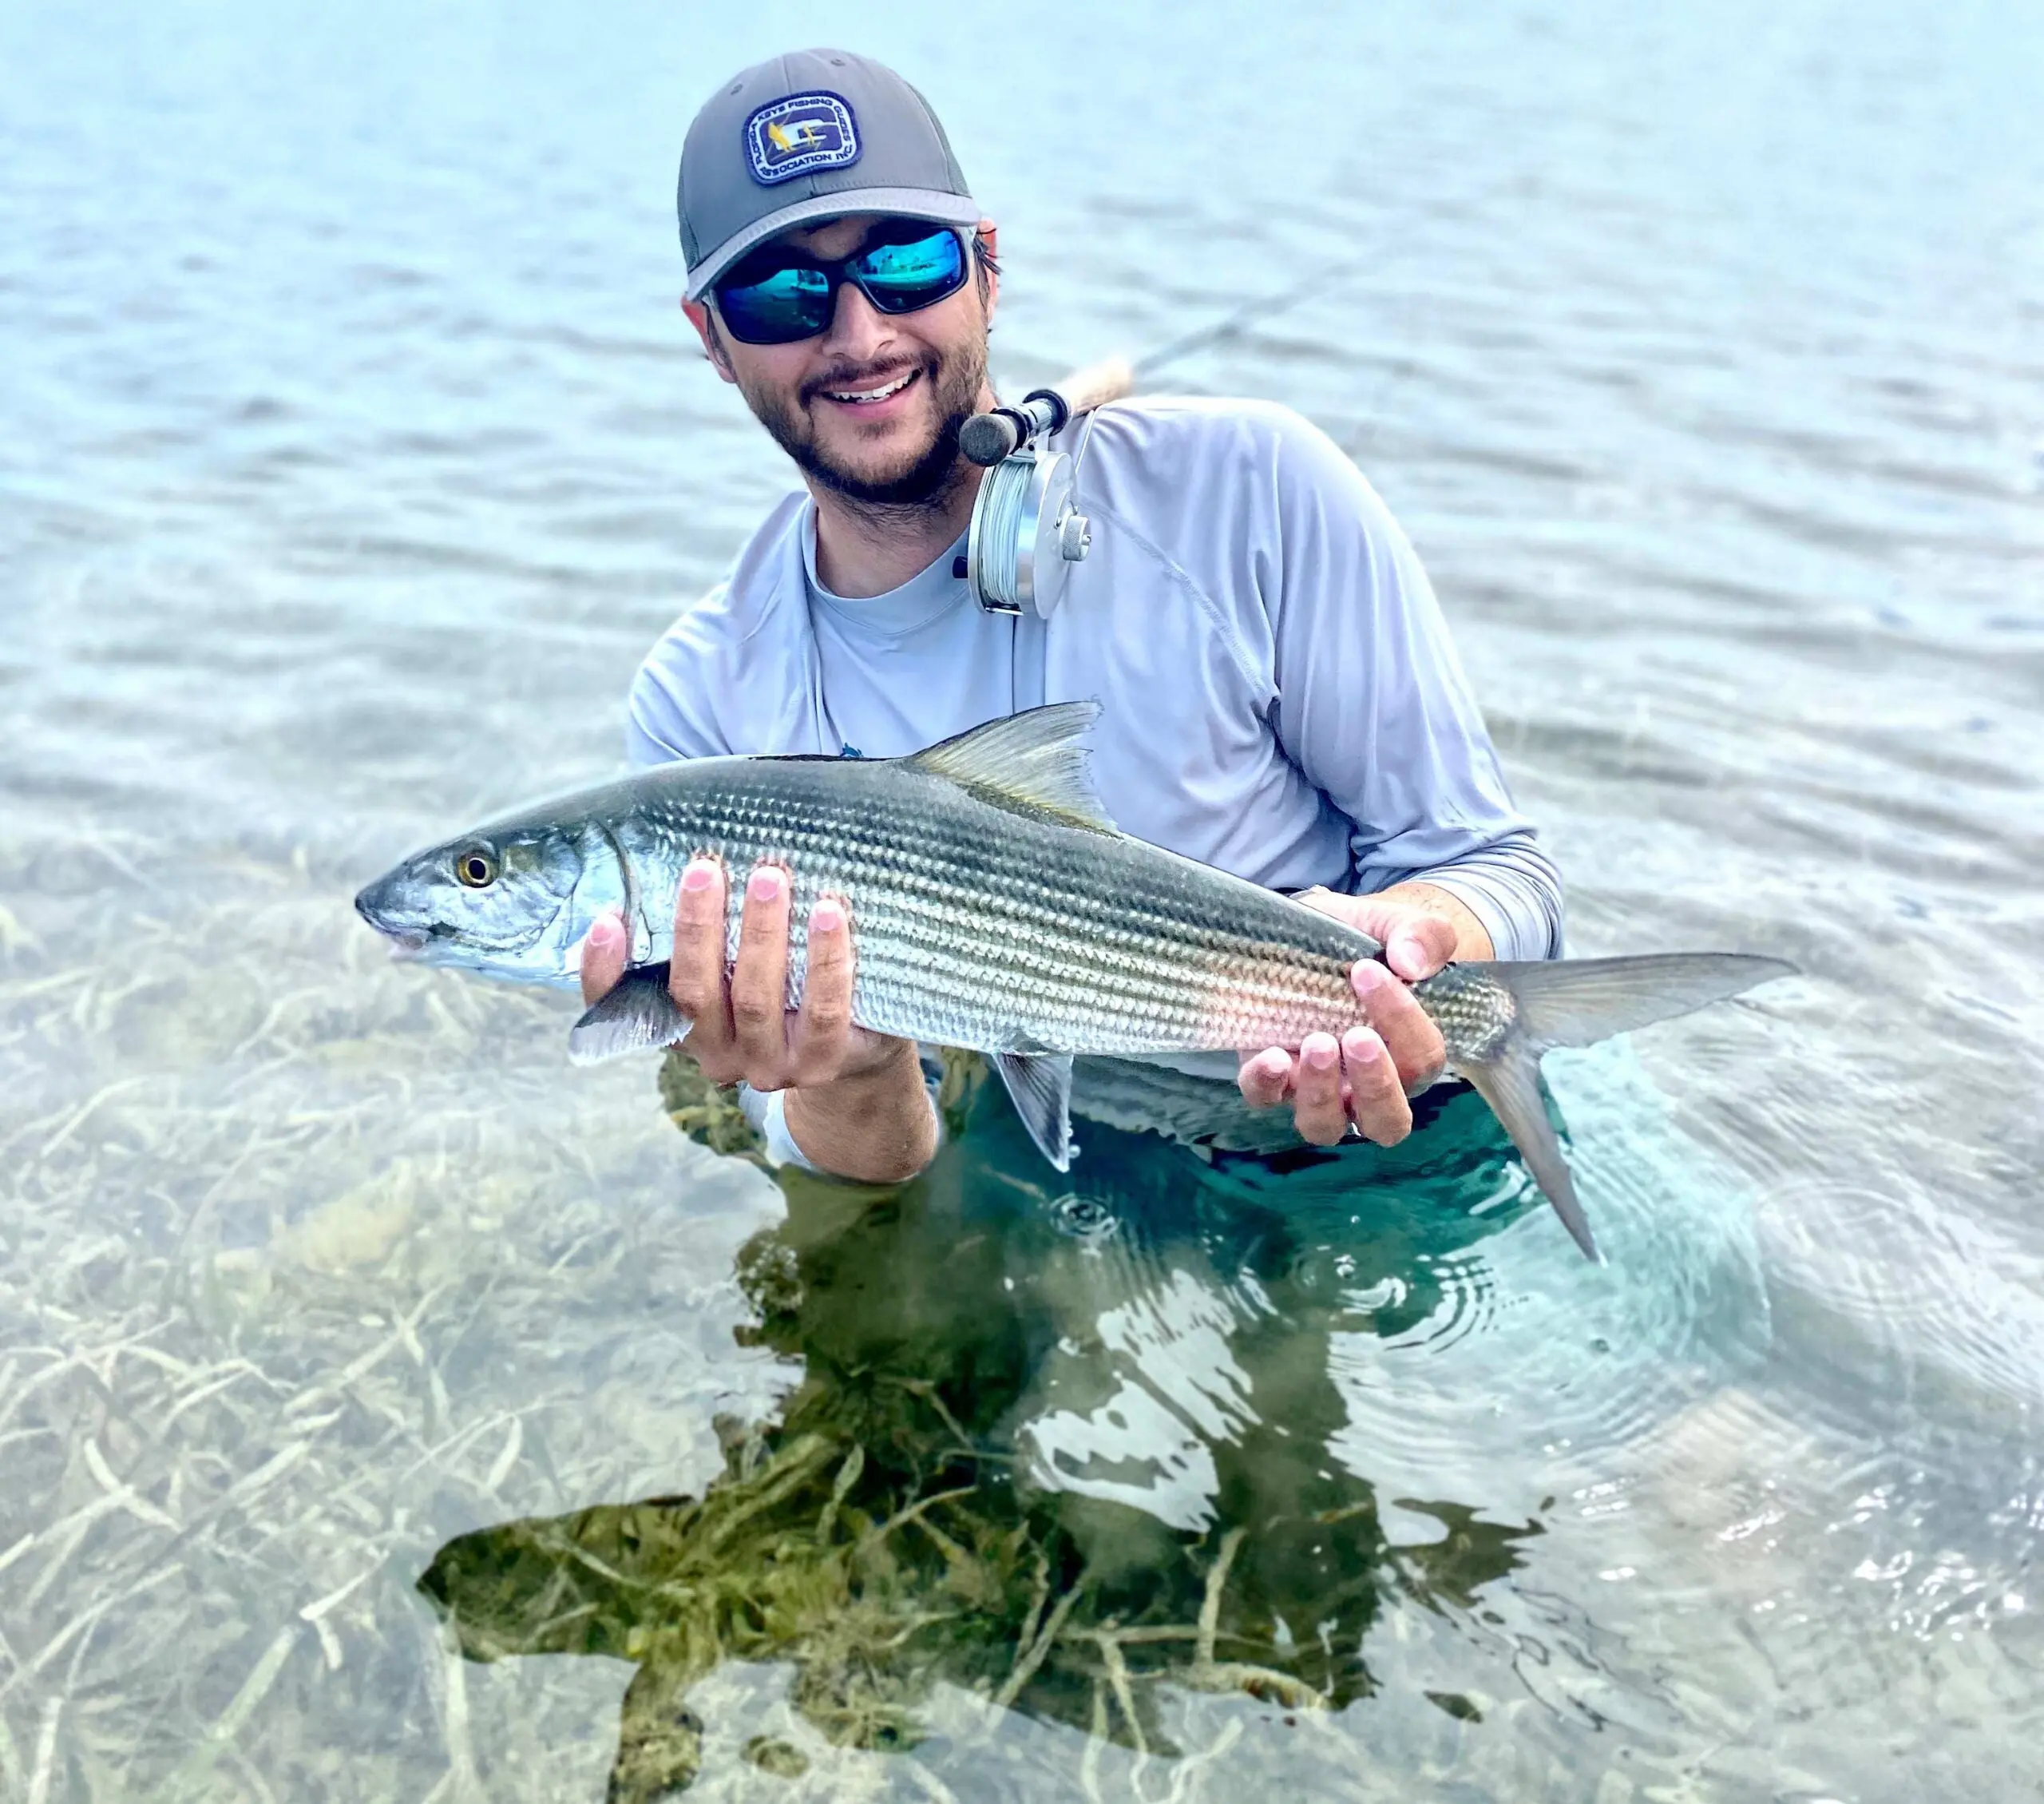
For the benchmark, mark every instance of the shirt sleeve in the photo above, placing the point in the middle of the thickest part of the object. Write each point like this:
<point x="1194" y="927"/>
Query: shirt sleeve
<point x="668" y="715"/>
<point x="767" y="1110"/>
<point x="1373" y="706"/>
<point x="1511" y="886"/>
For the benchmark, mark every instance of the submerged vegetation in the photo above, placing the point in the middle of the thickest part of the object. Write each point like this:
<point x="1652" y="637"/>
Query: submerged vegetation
<point x="897" y="1523"/>
<point x="311" y="1273"/>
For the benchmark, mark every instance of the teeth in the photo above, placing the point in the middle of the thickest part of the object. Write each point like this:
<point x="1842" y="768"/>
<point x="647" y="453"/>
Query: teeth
<point x="880" y="393"/>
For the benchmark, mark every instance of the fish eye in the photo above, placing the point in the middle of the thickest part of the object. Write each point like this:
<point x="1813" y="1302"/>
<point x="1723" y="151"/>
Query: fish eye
<point x="476" y="868"/>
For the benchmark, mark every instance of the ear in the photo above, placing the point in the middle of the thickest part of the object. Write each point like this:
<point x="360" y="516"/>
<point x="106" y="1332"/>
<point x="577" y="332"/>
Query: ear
<point x="989" y="237"/>
<point x="706" y="330"/>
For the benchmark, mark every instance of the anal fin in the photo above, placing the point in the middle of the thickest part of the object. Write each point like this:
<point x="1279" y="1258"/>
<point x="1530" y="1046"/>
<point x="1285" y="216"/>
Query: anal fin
<point x="635" y="1017"/>
<point x="1039" y="1085"/>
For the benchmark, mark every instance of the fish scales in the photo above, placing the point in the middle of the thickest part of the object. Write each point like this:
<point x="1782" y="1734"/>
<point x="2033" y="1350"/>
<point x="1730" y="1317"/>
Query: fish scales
<point x="1110" y="945"/>
<point x="977" y="926"/>
<point x="993" y="908"/>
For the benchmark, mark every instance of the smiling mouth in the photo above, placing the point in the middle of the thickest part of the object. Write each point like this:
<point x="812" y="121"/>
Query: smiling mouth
<point x="871" y="397"/>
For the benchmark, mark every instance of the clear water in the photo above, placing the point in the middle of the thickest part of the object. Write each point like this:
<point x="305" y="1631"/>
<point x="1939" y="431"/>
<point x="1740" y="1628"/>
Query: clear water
<point x="351" y="451"/>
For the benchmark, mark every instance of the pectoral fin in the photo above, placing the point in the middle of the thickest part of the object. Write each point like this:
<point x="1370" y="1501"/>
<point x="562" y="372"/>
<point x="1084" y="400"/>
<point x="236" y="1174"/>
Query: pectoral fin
<point x="1040" y="1084"/>
<point x="634" y="1017"/>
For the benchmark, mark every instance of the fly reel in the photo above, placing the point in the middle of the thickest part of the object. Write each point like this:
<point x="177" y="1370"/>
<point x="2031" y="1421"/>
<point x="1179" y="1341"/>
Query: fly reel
<point x="1026" y="530"/>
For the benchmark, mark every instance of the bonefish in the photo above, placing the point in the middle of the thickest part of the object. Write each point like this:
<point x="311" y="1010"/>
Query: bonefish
<point x="996" y="908"/>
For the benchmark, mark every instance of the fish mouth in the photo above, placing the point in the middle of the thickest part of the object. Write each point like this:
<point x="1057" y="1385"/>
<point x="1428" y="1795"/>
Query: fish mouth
<point x="417" y="938"/>
<point x="409" y="939"/>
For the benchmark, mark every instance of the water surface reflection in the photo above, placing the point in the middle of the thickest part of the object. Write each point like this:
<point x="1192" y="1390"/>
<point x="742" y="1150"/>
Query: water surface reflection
<point x="1069" y="1451"/>
<point x="1696" y="347"/>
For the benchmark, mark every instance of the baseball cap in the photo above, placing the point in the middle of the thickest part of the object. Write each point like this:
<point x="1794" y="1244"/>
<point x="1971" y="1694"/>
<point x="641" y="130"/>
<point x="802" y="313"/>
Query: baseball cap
<point x="809" y="135"/>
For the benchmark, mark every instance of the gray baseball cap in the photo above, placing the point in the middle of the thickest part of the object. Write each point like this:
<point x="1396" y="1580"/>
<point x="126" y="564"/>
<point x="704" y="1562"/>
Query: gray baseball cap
<point x="809" y="136"/>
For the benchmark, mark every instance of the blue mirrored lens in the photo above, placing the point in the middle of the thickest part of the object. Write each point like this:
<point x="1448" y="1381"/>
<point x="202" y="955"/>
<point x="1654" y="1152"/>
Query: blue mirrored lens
<point x="763" y="304"/>
<point x="900" y="278"/>
<point x="778" y="308"/>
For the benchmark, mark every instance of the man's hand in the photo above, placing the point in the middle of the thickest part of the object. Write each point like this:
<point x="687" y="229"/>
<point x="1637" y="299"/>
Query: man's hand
<point x="856" y="1104"/>
<point x="1367" y="1077"/>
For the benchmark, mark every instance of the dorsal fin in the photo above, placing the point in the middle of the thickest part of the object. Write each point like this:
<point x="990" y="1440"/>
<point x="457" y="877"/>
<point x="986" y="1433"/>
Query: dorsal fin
<point x="1029" y="763"/>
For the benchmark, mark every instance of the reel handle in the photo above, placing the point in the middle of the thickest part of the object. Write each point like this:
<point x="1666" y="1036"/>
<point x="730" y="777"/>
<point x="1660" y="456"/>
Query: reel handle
<point x="986" y="438"/>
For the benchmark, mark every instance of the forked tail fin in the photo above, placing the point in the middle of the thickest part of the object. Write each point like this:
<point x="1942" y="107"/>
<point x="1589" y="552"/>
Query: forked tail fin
<point x="1577" y="1002"/>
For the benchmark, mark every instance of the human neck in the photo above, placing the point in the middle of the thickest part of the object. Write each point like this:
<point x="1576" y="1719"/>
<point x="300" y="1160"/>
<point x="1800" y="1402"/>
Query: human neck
<point x="862" y="549"/>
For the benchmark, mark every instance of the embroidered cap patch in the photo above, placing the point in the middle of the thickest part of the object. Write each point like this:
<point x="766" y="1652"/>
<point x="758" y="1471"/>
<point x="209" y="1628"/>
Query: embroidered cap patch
<point x="805" y="131"/>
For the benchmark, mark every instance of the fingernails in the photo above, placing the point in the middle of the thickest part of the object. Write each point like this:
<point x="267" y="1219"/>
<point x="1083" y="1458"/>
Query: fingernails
<point x="1411" y="954"/>
<point x="605" y="931"/>
<point x="766" y="884"/>
<point x="1363" y="1048"/>
<point x="827" y="917"/>
<point x="1320" y="1052"/>
<point x="700" y="875"/>
<point x="1369" y="976"/>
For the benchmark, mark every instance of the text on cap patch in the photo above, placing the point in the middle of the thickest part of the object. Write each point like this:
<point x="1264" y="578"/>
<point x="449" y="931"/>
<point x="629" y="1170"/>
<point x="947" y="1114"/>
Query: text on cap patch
<point x="805" y="131"/>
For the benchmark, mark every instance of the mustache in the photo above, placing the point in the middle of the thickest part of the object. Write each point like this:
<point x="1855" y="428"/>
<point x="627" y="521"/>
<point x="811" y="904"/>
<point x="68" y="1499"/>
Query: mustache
<point x="851" y="377"/>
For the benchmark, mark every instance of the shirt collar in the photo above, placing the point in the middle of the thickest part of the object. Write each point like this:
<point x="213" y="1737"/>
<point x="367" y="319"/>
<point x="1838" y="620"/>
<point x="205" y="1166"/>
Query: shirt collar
<point x="929" y="594"/>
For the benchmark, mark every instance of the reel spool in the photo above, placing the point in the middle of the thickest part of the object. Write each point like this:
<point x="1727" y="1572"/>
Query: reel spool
<point x="1026" y="532"/>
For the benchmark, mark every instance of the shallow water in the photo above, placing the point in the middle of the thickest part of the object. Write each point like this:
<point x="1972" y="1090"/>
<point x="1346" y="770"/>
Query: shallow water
<point x="351" y="452"/>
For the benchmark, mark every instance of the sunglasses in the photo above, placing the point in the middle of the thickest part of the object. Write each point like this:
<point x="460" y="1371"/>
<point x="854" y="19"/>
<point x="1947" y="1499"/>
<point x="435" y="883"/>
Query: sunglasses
<point x="780" y="296"/>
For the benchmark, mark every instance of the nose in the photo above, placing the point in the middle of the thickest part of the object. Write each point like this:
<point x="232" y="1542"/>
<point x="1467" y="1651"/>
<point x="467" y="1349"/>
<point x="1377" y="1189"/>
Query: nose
<point x="859" y="332"/>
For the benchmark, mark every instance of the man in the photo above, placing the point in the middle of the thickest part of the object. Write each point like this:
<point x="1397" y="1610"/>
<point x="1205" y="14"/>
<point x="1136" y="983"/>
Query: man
<point x="1281" y="698"/>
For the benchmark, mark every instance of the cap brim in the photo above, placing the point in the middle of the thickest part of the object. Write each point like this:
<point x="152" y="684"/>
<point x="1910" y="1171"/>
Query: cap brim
<point x="900" y="203"/>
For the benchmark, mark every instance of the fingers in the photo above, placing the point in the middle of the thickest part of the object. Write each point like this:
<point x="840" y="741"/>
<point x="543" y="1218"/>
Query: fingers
<point x="695" y="969"/>
<point x="603" y="956"/>
<point x="1376" y="1098"/>
<point x="823" y="1029"/>
<point x="1418" y="945"/>
<point x="1404" y="1027"/>
<point x="1318" y="1108"/>
<point x="1416" y="942"/>
<point x="759" y="980"/>
<point x="1332" y="1084"/>
<point x="1266" y="1079"/>
<point x="744" y="1029"/>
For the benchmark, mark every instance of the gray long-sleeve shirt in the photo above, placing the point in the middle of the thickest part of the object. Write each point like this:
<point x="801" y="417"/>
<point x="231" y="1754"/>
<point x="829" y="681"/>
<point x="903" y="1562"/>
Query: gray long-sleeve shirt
<point x="1281" y="697"/>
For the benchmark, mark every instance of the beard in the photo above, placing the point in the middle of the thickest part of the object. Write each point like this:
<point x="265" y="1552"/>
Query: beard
<point x="955" y="379"/>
